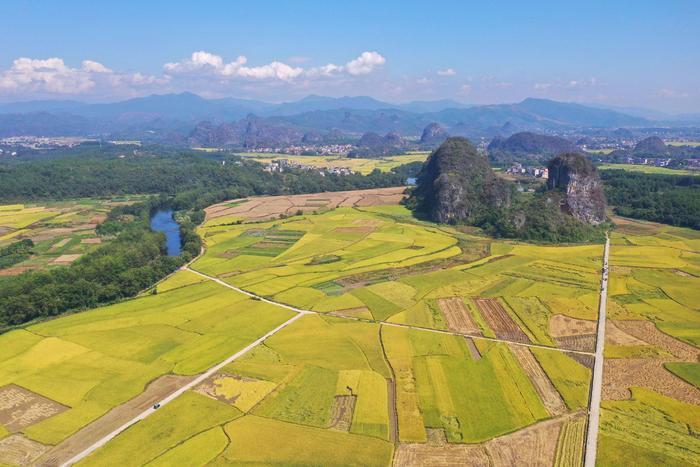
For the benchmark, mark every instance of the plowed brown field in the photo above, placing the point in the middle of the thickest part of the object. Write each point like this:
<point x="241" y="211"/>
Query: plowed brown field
<point x="500" y="321"/>
<point x="457" y="316"/>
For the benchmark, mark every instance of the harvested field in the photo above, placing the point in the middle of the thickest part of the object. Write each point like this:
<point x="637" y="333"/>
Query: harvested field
<point x="354" y="230"/>
<point x="20" y="408"/>
<point x="562" y="325"/>
<point x="457" y="316"/>
<point x="544" y="387"/>
<point x="476" y="355"/>
<point x="615" y="336"/>
<point x="268" y="207"/>
<point x="584" y="342"/>
<point x="66" y="259"/>
<point x="500" y="321"/>
<point x="635" y="227"/>
<point x="571" y="441"/>
<point x="436" y="436"/>
<point x="113" y="419"/>
<point x="537" y="444"/>
<point x="341" y="412"/>
<point x="586" y="360"/>
<point x="449" y="455"/>
<point x="648" y="332"/>
<point x="18" y="450"/>
<point x="61" y="243"/>
<point x="619" y="374"/>
<point x="361" y="312"/>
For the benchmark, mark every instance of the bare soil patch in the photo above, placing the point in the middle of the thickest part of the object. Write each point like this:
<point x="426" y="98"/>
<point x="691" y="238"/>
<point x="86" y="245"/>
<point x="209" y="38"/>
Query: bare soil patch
<point x="535" y="445"/>
<point x="341" y="412"/>
<point x="616" y="336"/>
<point x="16" y="270"/>
<point x="544" y="387"/>
<point x="457" y="316"/>
<point x="562" y="325"/>
<point x="648" y="332"/>
<point x="79" y="441"/>
<point x="66" y="259"/>
<point x="583" y="342"/>
<point x="20" y="407"/>
<point x="18" y="450"/>
<point x="91" y="241"/>
<point x="98" y="218"/>
<point x="500" y="321"/>
<point x="619" y="374"/>
<point x="449" y="455"/>
<point x="476" y="355"/>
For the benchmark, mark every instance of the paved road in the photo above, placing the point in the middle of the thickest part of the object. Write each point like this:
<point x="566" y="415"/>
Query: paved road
<point x="179" y="391"/>
<point x="597" y="384"/>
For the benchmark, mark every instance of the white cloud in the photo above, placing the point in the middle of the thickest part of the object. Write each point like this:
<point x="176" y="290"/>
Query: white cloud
<point x="447" y="72"/>
<point x="53" y="76"/>
<point x="542" y="86"/>
<point x="365" y="63"/>
<point x="465" y="89"/>
<point x="423" y="80"/>
<point x="205" y="63"/>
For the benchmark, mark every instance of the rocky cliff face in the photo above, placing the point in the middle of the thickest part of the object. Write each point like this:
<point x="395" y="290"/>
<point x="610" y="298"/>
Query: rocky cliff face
<point x="578" y="180"/>
<point x="457" y="185"/>
<point x="433" y="134"/>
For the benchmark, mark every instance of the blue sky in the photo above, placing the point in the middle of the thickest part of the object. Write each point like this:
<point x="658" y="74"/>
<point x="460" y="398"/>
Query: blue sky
<point x="616" y="53"/>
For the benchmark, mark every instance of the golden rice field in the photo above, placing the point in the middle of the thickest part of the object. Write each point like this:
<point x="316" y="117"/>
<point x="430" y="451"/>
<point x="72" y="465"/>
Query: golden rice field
<point x="651" y="395"/>
<point x="62" y="231"/>
<point x="361" y="165"/>
<point x="412" y="354"/>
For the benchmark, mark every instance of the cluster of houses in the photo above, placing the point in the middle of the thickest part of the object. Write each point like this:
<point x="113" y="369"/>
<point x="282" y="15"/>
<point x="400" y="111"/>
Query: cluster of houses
<point x="537" y="172"/>
<point x="307" y="150"/>
<point x="280" y="165"/>
<point x="656" y="162"/>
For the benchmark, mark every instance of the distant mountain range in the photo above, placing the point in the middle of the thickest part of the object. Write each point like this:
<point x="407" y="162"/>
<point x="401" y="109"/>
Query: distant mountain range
<point x="171" y="117"/>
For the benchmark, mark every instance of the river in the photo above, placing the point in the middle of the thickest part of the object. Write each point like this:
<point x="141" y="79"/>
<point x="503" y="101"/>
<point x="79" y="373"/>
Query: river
<point x="162" y="221"/>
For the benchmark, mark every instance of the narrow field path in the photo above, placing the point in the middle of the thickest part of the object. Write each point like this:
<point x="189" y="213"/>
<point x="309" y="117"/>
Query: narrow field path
<point x="385" y="323"/>
<point x="180" y="391"/>
<point x="597" y="383"/>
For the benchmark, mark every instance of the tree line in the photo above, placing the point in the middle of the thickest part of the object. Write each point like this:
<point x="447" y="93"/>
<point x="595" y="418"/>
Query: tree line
<point x="669" y="199"/>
